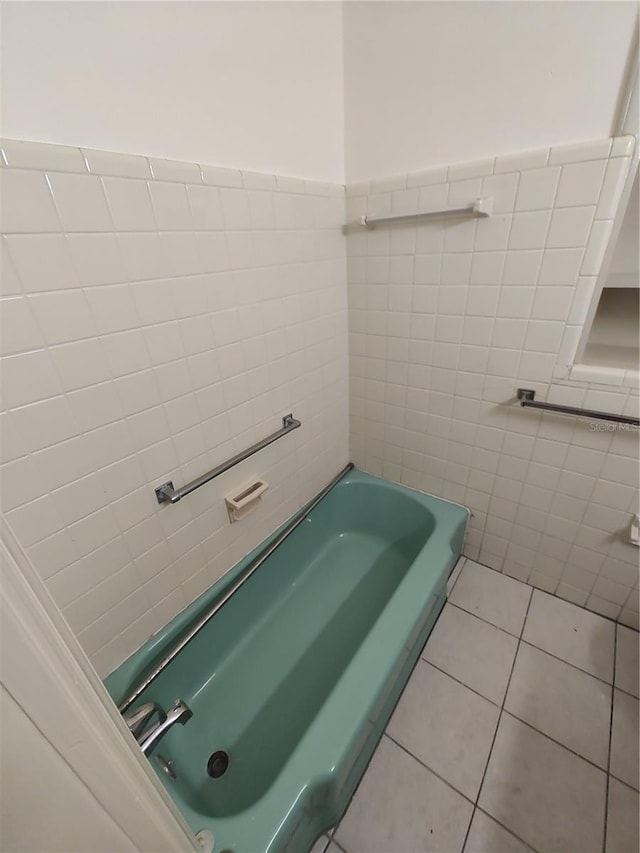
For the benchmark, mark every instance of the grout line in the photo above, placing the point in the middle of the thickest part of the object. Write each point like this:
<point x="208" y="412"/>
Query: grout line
<point x="495" y="734"/>
<point x="626" y="784"/>
<point x="553" y="740"/>
<point x="458" y="681"/>
<point x="606" y="790"/>
<point x="515" y="716"/>
<point x="453" y="788"/>
<point x="572" y="665"/>
<point x="510" y="831"/>
<point x="430" y="769"/>
<point x="486" y="621"/>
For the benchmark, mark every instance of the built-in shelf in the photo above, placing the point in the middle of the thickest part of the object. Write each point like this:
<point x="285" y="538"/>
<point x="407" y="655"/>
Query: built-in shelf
<point x="614" y="337"/>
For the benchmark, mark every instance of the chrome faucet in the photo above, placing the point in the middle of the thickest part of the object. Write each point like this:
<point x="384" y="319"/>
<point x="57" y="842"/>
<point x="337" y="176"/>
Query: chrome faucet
<point x="148" y="738"/>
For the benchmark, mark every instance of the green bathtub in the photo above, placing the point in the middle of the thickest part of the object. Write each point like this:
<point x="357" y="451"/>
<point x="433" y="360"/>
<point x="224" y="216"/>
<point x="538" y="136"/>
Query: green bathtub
<point x="296" y="677"/>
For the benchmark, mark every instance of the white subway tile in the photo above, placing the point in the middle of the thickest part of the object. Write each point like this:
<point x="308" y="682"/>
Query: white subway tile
<point x="580" y="183"/>
<point x="170" y="206"/>
<point x="19" y="331"/>
<point x="175" y="170"/>
<point x="579" y="152"/>
<point x="612" y="186"/>
<point x="551" y="303"/>
<point x="215" y="176"/>
<point x="570" y="227"/>
<point x="81" y="202"/>
<point x="464" y="193"/>
<point x="206" y="209"/>
<point x="113" y="308"/>
<point x="492" y="234"/>
<point x="63" y="316"/>
<point x="487" y="267"/>
<point x="437" y="175"/>
<point x="143" y="255"/>
<point x="623" y="146"/>
<point x="10" y="284"/>
<point x="560" y="266"/>
<point x="474" y="169"/>
<point x="42" y="156"/>
<point x="118" y="165"/>
<point x="80" y="364"/>
<point x="521" y="267"/>
<point x="54" y="413"/>
<point x="260" y="181"/>
<point x="529" y="230"/>
<point x="28" y="377"/>
<point x="502" y="189"/>
<point x="130" y="204"/>
<point x="97" y="258"/>
<point x="521" y="161"/>
<point x="235" y="209"/>
<point x="515" y="301"/>
<point x="596" y="247"/>
<point x="537" y="188"/>
<point x="27" y="205"/>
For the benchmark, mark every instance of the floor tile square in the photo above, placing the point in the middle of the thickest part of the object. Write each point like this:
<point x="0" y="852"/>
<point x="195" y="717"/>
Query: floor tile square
<point x="571" y="633"/>
<point x="624" y="738"/>
<point x="472" y="651"/>
<point x="622" y="819"/>
<point x="627" y="660"/>
<point x="561" y="701"/>
<point x="487" y="836"/>
<point x="446" y="726"/>
<point x="493" y="596"/>
<point x="546" y="795"/>
<point x="400" y="806"/>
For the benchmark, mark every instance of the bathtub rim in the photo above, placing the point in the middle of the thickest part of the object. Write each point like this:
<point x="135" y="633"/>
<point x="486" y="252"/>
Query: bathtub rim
<point x="311" y="768"/>
<point x="119" y="682"/>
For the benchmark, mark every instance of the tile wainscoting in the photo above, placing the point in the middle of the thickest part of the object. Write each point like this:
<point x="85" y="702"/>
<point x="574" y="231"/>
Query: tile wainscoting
<point x="157" y="318"/>
<point x="447" y="320"/>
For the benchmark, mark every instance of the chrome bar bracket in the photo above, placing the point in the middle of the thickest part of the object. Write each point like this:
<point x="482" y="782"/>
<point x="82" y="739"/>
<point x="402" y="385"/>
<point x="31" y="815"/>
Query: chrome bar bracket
<point x="164" y="492"/>
<point x="167" y="494"/>
<point x="528" y="400"/>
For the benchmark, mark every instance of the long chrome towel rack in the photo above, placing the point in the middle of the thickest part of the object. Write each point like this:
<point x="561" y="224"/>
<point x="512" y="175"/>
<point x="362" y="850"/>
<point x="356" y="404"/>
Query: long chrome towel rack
<point x="527" y="400"/>
<point x="144" y="682"/>
<point x="166" y="493"/>
<point x="478" y="208"/>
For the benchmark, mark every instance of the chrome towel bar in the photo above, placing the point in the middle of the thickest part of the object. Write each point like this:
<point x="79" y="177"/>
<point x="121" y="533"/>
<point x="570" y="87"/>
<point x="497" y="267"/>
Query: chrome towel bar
<point x="478" y="208"/>
<point x="293" y="523"/>
<point x="166" y="493"/>
<point x="527" y="400"/>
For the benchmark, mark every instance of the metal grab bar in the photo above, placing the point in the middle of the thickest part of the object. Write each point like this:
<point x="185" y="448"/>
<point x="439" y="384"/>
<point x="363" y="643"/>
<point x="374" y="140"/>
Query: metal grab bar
<point x="478" y="208"/>
<point x="235" y="586"/>
<point x="527" y="400"/>
<point x="166" y="493"/>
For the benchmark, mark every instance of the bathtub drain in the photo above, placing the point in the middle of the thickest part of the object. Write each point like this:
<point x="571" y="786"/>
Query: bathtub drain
<point x="217" y="764"/>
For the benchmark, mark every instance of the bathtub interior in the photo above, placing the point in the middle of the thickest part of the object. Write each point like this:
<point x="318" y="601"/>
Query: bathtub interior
<point x="259" y="673"/>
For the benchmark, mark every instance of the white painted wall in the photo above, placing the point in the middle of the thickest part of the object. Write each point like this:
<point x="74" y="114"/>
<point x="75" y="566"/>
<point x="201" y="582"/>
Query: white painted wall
<point x="257" y="86"/>
<point x="429" y="83"/>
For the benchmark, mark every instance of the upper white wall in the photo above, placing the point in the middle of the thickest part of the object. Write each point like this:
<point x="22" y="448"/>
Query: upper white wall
<point x="256" y="86"/>
<point x="430" y="83"/>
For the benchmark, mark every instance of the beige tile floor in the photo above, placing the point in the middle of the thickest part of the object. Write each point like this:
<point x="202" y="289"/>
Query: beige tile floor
<point x="517" y="731"/>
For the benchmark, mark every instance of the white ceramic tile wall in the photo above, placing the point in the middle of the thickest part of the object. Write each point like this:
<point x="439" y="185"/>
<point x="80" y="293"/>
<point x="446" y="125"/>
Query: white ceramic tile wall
<point x="447" y="320"/>
<point x="158" y="317"/>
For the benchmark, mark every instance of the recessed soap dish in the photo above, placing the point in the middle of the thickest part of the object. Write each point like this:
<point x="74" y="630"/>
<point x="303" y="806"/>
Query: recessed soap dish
<point x="243" y="500"/>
